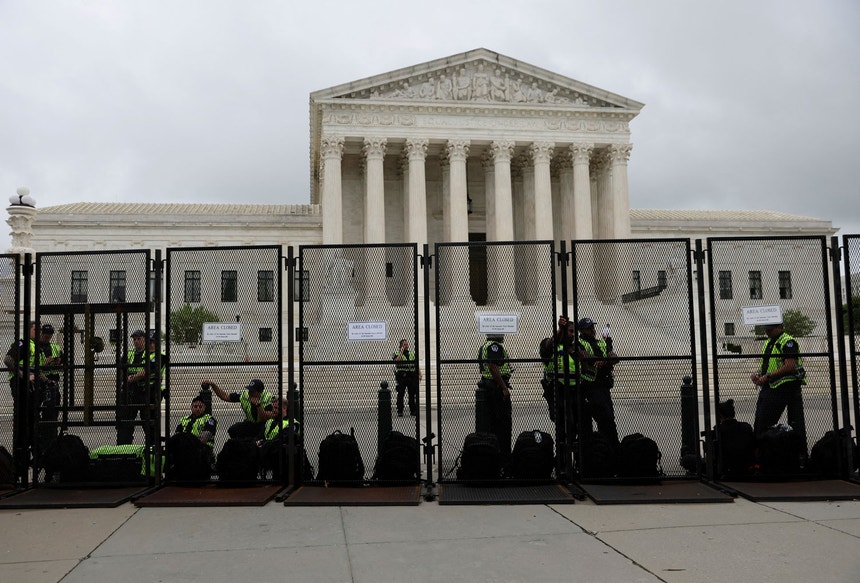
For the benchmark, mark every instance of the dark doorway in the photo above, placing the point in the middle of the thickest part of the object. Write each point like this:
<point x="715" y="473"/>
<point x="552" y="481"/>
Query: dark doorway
<point x="478" y="268"/>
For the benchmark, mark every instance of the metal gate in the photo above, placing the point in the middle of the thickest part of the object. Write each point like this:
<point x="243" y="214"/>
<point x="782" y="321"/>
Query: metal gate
<point x="639" y="293"/>
<point x="88" y="305"/>
<point x="514" y="297"/>
<point x="851" y="326"/>
<point x="788" y="272"/>
<point x="10" y="331"/>
<point x="224" y="328"/>
<point x="356" y="303"/>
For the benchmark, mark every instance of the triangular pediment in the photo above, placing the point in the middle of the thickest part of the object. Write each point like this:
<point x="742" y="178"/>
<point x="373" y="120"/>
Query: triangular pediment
<point x="477" y="77"/>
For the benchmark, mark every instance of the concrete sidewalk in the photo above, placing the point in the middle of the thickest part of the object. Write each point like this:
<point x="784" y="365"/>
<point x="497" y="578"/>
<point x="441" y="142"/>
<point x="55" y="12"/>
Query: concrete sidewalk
<point x="740" y="541"/>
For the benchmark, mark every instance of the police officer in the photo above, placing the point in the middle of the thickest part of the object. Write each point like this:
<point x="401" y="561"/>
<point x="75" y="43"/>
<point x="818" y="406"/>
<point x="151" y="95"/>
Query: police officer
<point x="406" y="376"/>
<point x="137" y="395"/>
<point x="563" y="371"/>
<point x="22" y="411"/>
<point x="495" y="378"/>
<point x="270" y="445"/>
<point x="156" y="374"/>
<point x="199" y="423"/>
<point x="780" y="377"/>
<point x="50" y="365"/>
<point x="596" y="362"/>
<point x="256" y="403"/>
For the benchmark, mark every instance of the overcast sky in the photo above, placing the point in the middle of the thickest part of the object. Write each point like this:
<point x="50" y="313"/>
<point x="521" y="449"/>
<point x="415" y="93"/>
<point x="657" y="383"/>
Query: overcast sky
<point x="749" y="104"/>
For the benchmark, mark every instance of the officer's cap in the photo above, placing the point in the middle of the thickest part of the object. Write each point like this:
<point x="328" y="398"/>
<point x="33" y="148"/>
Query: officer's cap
<point x="256" y="386"/>
<point x="47" y="329"/>
<point x="153" y="335"/>
<point x="138" y="333"/>
<point x="584" y="324"/>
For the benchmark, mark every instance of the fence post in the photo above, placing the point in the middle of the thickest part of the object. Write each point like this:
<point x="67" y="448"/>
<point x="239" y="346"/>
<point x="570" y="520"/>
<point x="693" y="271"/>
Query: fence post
<point x="689" y="418"/>
<point x="383" y="426"/>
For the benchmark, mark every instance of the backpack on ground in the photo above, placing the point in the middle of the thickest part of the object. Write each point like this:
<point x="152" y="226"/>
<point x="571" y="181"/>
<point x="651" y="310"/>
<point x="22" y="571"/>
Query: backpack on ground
<point x="399" y="459"/>
<point x="340" y="458"/>
<point x="7" y="468"/>
<point x="639" y="457"/>
<point x="735" y="448"/>
<point x="599" y="458"/>
<point x="68" y="457"/>
<point x="188" y="458"/>
<point x="827" y="457"/>
<point x="779" y="451"/>
<point x="273" y="452"/>
<point x="533" y="456"/>
<point x="481" y="458"/>
<point x="117" y="463"/>
<point x="238" y="460"/>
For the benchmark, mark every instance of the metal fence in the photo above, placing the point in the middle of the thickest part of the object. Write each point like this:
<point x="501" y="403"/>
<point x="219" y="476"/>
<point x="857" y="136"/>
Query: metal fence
<point x="674" y="312"/>
<point x="356" y="304"/>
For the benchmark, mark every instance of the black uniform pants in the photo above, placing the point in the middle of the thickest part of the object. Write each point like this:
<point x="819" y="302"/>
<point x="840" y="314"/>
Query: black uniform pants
<point x="772" y="402"/>
<point x="407" y="383"/>
<point x="131" y="403"/>
<point x="22" y="421"/>
<point x="598" y="406"/>
<point x="501" y="422"/>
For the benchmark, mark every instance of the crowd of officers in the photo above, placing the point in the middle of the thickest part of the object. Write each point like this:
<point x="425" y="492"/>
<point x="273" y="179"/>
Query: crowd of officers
<point x="577" y="370"/>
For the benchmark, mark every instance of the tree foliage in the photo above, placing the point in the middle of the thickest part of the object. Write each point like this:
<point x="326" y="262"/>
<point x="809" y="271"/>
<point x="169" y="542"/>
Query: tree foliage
<point x="186" y="324"/>
<point x="797" y="324"/>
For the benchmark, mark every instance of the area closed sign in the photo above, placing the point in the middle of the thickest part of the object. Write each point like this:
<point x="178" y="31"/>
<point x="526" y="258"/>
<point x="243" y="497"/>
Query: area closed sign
<point x="222" y="332"/>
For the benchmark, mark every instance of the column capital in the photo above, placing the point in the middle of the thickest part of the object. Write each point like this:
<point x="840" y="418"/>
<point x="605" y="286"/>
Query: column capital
<point x="487" y="159"/>
<point x="374" y="148"/>
<point x="541" y="151"/>
<point x="416" y="148"/>
<point x="502" y="150"/>
<point x="619" y="153"/>
<point x="581" y="152"/>
<point x="458" y="150"/>
<point x="331" y="147"/>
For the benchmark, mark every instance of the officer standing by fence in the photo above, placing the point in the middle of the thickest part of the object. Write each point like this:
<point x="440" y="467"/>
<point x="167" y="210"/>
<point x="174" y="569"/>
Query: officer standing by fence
<point x="50" y="362"/>
<point x="22" y="417"/>
<point x="495" y="377"/>
<point x="780" y="377"/>
<point x="132" y="396"/>
<point x="596" y="361"/>
<point x="407" y="376"/>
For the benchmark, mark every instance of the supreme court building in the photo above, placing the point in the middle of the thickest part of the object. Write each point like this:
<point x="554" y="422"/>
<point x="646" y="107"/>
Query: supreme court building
<point x="472" y="147"/>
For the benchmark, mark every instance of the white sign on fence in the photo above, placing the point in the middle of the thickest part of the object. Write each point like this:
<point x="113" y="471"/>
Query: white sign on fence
<point x="762" y="315"/>
<point x="222" y="332"/>
<point x="493" y="323"/>
<point x="367" y="331"/>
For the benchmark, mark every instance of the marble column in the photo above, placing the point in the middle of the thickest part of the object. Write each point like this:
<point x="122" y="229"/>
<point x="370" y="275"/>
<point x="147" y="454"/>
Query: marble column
<point x="416" y="227"/>
<point x="582" y="218"/>
<point x="489" y="195"/>
<point x="457" y="220"/>
<point x="374" y="193"/>
<point x="619" y="154"/>
<point x="456" y="274"/>
<point x="541" y="155"/>
<point x="331" y="151"/>
<point x="374" y="227"/>
<point x="500" y="258"/>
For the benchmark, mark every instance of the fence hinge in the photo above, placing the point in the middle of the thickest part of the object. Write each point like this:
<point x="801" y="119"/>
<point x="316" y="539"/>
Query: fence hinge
<point x="835" y="253"/>
<point x="426" y="262"/>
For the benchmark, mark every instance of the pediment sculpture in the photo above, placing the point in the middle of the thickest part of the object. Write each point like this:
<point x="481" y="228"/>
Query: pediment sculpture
<point x="479" y="82"/>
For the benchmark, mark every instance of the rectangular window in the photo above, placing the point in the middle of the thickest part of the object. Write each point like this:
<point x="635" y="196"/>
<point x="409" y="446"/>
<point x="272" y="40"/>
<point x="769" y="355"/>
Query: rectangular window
<point x="637" y="281"/>
<point x="755" y="285"/>
<point x="79" y="287"/>
<point x="785" y="285"/>
<point x="117" y="287"/>
<point x="730" y="328"/>
<point x="661" y="279"/>
<point x="301" y="286"/>
<point x="192" y="287"/>
<point x="265" y="335"/>
<point x="112" y="336"/>
<point x="726" y="285"/>
<point x="266" y="286"/>
<point x="228" y="286"/>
